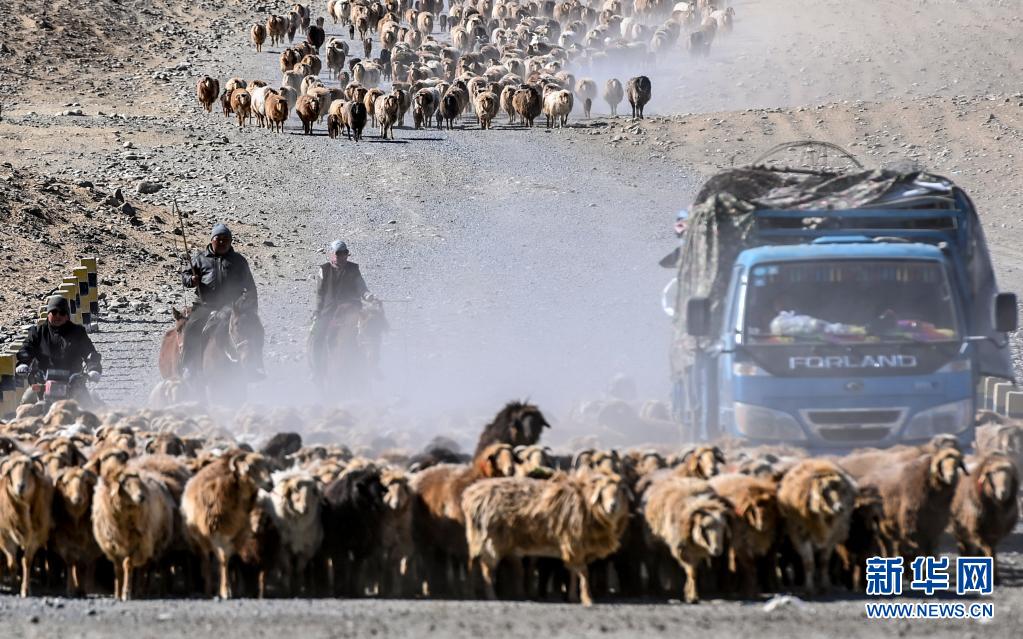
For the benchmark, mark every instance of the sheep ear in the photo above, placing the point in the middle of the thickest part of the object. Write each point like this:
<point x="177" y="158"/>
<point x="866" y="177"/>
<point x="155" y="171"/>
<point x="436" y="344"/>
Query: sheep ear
<point x="719" y="455"/>
<point x="686" y="456"/>
<point x="237" y="464"/>
<point x="962" y="466"/>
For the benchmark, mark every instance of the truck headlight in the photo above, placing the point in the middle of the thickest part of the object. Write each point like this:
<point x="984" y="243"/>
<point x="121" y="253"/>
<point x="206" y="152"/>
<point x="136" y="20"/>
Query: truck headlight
<point x="952" y="418"/>
<point x="759" y="422"/>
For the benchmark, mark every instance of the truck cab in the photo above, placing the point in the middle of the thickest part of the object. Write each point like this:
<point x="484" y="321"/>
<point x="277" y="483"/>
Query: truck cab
<point x="837" y="329"/>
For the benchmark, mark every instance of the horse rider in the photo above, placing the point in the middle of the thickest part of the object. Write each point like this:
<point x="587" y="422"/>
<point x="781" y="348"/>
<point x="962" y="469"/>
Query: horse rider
<point x="220" y="276"/>
<point x="59" y="344"/>
<point x="671" y="260"/>
<point x="338" y="282"/>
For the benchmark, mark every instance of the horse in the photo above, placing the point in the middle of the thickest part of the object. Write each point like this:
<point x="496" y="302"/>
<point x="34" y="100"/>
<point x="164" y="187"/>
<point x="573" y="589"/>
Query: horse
<point x="232" y="346"/>
<point x="352" y="345"/>
<point x="232" y="342"/>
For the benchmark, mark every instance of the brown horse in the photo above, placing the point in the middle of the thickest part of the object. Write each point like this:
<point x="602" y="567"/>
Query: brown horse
<point x="233" y="346"/>
<point x="170" y="348"/>
<point x="352" y="344"/>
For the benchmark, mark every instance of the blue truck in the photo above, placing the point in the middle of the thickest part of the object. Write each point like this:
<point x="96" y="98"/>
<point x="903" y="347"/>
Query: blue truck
<point x="835" y="310"/>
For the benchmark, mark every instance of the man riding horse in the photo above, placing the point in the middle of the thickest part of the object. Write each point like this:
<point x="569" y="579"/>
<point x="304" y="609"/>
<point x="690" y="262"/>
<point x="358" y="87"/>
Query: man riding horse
<point x="339" y="284"/>
<point x="222" y="280"/>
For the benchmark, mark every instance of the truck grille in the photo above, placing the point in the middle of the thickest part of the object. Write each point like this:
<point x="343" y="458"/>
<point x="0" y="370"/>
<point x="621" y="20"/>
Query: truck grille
<point x="854" y="424"/>
<point x="853" y="417"/>
<point x="853" y="434"/>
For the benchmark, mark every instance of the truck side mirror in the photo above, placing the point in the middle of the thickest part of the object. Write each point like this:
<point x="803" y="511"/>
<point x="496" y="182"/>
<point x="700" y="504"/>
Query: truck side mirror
<point x="698" y="316"/>
<point x="1006" y="313"/>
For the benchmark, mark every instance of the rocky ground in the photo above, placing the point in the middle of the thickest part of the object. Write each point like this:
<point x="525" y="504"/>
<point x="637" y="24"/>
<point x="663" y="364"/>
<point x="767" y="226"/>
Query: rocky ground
<point x="512" y="262"/>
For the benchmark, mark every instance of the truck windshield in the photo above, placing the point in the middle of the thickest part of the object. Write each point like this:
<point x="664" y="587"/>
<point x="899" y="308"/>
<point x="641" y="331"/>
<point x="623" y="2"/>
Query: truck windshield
<point x="849" y="302"/>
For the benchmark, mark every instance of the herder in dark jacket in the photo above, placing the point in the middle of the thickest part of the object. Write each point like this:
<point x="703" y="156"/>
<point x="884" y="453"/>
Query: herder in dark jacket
<point x="337" y="282"/>
<point x="59" y="344"/>
<point x="219" y="276"/>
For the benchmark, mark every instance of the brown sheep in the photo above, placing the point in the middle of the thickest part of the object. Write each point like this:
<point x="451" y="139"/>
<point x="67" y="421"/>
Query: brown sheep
<point x="276" y="112"/>
<point x="690" y="520"/>
<point x="578" y="518"/>
<point x="370" y="101"/>
<point x="355" y="118"/>
<point x="1001" y="438"/>
<point x="487" y="105"/>
<point x="756" y="527"/>
<point x="289" y="58"/>
<point x="816" y="500"/>
<point x="917" y="498"/>
<point x="386" y="113"/>
<point x="528" y="104"/>
<point x="257" y="34"/>
<point x="439" y="524"/>
<point x="336" y="59"/>
<point x="314" y="63"/>
<point x="449" y="110"/>
<point x="72" y="539"/>
<point x="132" y="521"/>
<point x="334" y="123"/>
<point x="241" y="104"/>
<point x="215" y="508"/>
<point x="308" y="110"/>
<point x="702" y="462"/>
<point x="315" y="36"/>
<point x="639" y="91"/>
<point x="276" y="27"/>
<point x="396" y="547"/>
<point x="424" y="103"/>
<point x="206" y="90"/>
<point x="26" y="500"/>
<point x="507" y="102"/>
<point x="985" y="508"/>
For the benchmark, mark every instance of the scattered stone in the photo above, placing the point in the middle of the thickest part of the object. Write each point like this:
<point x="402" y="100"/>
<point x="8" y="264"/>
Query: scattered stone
<point x="146" y="187"/>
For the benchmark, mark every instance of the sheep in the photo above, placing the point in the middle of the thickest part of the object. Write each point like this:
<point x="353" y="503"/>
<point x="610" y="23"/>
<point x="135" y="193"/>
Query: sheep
<point x="257" y="34"/>
<point x="334" y="123"/>
<point x="132" y="521"/>
<point x="72" y="539"/>
<point x="386" y="113"/>
<point x="577" y="518"/>
<point x="424" y="23"/>
<point x="276" y="28"/>
<point x="516" y="424"/>
<point x="370" y="100"/>
<point x="487" y="105"/>
<point x="755" y="502"/>
<point x="206" y="90"/>
<point x="259" y="96"/>
<point x="985" y="508"/>
<point x="639" y="91"/>
<point x="288" y="59"/>
<point x="815" y="498"/>
<point x="259" y="548"/>
<point x="586" y="90"/>
<point x="449" y="110"/>
<point x="309" y="82"/>
<point x="424" y="103"/>
<point x="357" y="495"/>
<point x="687" y="517"/>
<point x="507" y="102"/>
<point x="315" y="36"/>
<point x="701" y="462"/>
<point x="437" y="511"/>
<point x="241" y="103"/>
<point x="26" y="498"/>
<point x="404" y="98"/>
<point x="917" y="499"/>
<point x="215" y="508"/>
<point x="314" y="63"/>
<point x="294" y="504"/>
<point x="294" y="21"/>
<point x="308" y="110"/>
<point x="1001" y="438"/>
<point x="396" y="546"/>
<point x="528" y="104"/>
<point x="556" y="106"/>
<point x="864" y="539"/>
<point x="355" y="117"/>
<point x="335" y="58"/>
<point x="276" y="112"/>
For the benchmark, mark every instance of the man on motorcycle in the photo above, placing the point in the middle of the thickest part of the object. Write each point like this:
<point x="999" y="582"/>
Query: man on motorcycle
<point x="59" y="344"/>
<point x="220" y="276"/>
<point x="339" y="281"/>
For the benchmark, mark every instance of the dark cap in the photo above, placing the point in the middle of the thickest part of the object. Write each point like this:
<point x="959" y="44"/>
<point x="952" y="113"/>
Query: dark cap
<point x="57" y="303"/>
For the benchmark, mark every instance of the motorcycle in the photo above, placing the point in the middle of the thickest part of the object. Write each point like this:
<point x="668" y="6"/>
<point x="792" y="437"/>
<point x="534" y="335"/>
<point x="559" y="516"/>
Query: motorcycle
<point x="56" y="384"/>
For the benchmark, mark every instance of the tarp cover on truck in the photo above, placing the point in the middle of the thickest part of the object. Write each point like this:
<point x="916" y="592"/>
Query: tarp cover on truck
<point x="722" y="224"/>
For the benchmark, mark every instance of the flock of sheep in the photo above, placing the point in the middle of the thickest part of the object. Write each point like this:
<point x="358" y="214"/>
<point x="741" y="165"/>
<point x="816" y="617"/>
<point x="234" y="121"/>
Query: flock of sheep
<point x="501" y="56"/>
<point x="166" y="503"/>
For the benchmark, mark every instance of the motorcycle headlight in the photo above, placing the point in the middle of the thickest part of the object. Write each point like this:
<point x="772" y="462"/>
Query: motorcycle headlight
<point x="952" y="419"/>
<point x="759" y="422"/>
